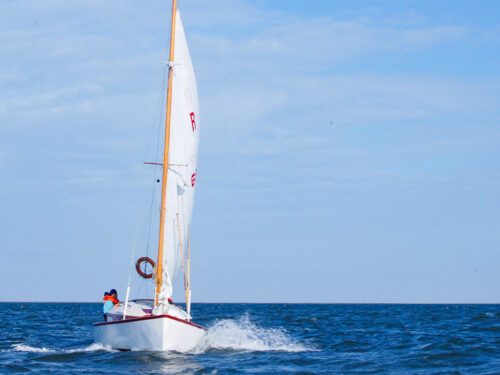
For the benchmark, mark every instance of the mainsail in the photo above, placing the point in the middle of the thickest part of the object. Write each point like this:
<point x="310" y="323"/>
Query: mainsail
<point x="182" y="164"/>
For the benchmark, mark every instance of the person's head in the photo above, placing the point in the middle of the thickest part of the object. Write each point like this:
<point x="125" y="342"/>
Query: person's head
<point x="106" y="294"/>
<point x="113" y="292"/>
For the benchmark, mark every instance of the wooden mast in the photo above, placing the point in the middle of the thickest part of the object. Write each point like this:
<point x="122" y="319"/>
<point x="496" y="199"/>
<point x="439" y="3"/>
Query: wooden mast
<point x="159" y="262"/>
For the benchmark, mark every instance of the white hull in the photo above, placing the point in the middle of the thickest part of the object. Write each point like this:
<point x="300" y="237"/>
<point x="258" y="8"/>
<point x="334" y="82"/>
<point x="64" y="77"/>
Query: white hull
<point x="155" y="332"/>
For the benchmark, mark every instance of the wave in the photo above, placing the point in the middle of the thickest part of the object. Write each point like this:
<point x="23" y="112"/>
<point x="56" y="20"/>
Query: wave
<point x="32" y="349"/>
<point x="91" y="348"/>
<point x="243" y="334"/>
<point x="29" y="349"/>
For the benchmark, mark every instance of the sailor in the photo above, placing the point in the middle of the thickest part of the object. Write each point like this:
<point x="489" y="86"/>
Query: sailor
<point x="110" y="300"/>
<point x="104" y="299"/>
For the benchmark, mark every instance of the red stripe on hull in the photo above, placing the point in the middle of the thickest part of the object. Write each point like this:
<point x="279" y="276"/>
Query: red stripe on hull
<point x="131" y="320"/>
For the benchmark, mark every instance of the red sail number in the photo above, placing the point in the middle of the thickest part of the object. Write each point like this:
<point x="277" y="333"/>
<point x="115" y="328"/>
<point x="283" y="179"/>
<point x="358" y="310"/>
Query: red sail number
<point x="193" y="121"/>
<point x="193" y="179"/>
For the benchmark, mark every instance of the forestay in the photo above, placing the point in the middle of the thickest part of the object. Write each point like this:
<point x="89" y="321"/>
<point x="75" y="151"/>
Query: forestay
<point x="183" y="155"/>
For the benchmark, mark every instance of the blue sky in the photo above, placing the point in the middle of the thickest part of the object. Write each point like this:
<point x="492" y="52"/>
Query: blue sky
<point x="349" y="149"/>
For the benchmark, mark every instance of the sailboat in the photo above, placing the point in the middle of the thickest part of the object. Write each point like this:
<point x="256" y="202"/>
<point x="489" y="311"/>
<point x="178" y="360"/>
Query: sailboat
<point x="159" y="324"/>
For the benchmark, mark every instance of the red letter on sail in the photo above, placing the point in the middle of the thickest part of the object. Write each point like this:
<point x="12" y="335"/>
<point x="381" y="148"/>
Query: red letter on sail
<point x="193" y="179"/>
<point x="193" y="121"/>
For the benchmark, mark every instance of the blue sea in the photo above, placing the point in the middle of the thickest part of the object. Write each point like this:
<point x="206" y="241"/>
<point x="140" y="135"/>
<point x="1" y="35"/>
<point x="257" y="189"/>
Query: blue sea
<point x="265" y="338"/>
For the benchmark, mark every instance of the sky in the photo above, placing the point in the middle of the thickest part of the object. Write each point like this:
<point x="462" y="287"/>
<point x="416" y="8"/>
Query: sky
<point x="349" y="150"/>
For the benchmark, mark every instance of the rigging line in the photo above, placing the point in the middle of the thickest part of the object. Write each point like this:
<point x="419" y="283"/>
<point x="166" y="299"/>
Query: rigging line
<point x="132" y="255"/>
<point x="153" y="193"/>
<point x="180" y="204"/>
<point x="150" y="216"/>
<point x="161" y="112"/>
<point x="179" y="236"/>
<point x="158" y="109"/>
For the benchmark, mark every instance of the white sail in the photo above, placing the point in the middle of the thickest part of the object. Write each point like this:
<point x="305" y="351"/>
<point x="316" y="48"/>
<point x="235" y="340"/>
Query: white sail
<point x="183" y="155"/>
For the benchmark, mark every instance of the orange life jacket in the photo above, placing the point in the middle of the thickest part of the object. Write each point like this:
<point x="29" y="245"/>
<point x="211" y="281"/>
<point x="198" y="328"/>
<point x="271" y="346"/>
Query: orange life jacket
<point x="112" y="299"/>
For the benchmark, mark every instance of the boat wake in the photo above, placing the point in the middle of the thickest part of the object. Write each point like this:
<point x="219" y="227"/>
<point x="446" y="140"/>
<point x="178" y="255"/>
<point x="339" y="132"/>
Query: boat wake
<point x="29" y="349"/>
<point x="32" y="349"/>
<point x="244" y="335"/>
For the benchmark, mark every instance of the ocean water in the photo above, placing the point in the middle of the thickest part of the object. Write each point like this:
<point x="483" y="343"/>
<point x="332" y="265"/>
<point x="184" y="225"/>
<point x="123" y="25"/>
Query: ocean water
<point x="265" y="338"/>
